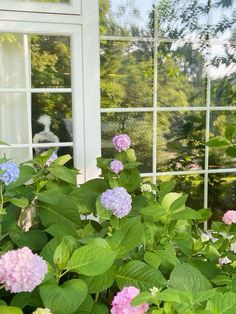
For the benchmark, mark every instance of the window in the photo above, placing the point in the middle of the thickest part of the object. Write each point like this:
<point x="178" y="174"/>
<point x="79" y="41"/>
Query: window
<point x="168" y="80"/>
<point x="49" y="86"/>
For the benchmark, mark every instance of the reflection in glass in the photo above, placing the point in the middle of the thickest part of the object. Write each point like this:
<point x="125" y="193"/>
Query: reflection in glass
<point x="126" y="17"/>
<point x="18" y="155"/>
<point x="12" y="70"/>
<point x="181" y="79"/>
<point x="180" y="141"/>
<point x="221" y="193"/>
<point x="50" y="61"/>
<point x="222" y="72"/>
<point x="58" y="108"/>
<point x="192" y="184"/>
<point x="217" y="157"/>
<point x="50" y="1"/>
<point x="13" y="114"/>
<point x="126" y="74"/>
<point x="138" y="126"/>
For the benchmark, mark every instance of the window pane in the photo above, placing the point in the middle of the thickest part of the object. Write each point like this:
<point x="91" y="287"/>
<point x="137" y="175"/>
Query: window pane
<point x="222" y="72"/>
<point x="181" y="79"/>
<point x="221" y="193"/>
<point x="13" y="113"/>
<point x="126" y="17"/>
<point x="192" y="184"/>
<point x="138" y="126"/>
<point x="126" y="74"/>
<point x="50" y="61"/>
<point x="217" y="157"/>
<point x="180" y="141"/>
<point x="18" y="155"/>
<point x="58" y="108"/>
<point x="12" y="71"/>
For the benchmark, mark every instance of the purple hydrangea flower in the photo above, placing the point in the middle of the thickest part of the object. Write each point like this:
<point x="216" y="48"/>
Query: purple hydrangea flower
<point x="121" y="142"/>
<point x="118" y="200"/>
<point x="11" y="172"/>
<point x="116" y="166"/>
<point x="51" y="159"/>
<point x="21" y="270"/>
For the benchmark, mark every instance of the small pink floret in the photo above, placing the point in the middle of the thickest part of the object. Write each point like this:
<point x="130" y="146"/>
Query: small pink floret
<point x="21" y="270"/>
<point x="121" y="303"/>
<point x="229" y="217"/>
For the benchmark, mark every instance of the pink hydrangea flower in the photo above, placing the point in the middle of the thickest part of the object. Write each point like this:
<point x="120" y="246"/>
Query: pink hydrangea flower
<point x="121" y="142"/>
<point x="229" y="217"/>
<point x="116" y="166"/>
<point x="121" y="303"/>
<point x="21" y="270"/>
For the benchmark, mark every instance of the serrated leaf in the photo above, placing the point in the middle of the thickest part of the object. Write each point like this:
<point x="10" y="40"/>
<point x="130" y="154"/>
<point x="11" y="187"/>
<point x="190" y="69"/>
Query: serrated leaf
<point x="186" y="277"/>
<point x="63" y="173"/>
<point x="19" y="202"/>
<point x="91" y="260"/>
<point x="140" y="275"/>
<point x="186" y="214"/>
<point x="65" y="298"/>
<point x="224" y="303"/>
<point x="142" y="298"/>
<point x="91" y="307"/>
<point x="152" y="259"/>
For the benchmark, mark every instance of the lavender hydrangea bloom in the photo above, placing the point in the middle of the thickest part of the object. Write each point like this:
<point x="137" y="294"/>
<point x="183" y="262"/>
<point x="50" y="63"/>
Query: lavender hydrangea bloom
<point x="116" y="166"/>
<point x="11" y="172"/>
<point x="118" y="200"/>
<point x="121" y="142"/>
<point x="51" y="159"/>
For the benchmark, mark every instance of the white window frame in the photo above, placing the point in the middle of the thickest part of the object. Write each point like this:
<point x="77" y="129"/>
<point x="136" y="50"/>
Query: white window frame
<point x="74" y="7"/>
<point x="84" y="32"/>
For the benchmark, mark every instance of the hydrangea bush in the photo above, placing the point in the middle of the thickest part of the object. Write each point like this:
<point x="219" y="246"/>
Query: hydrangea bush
<point x="114" y="244"/>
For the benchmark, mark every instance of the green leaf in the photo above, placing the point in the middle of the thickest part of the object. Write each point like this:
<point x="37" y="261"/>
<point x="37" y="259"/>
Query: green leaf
<point x="63" y="173"/>
<point x="4" y="143"/>
<point x="154" y="210"/>
<point x="186" y="277"/>
<point x="102" y="212"/>
<point x="26" y="174"/>
<point x="169" y="295"/>
<point x="128" y="236"/>
<point x="217" y="142"/>
<point x="101" y="282"/>
<point x="130" y="153"/>
<point x="61" y="160"/>
<point x="91" y="260"/>
<point x="61" y="255"/>
<point x="202" y="296"/>
<point x="142" y="298"/>
<point x="224" y="303"/>
<point x="140" y="275"/>
<point x="178" y="203"/>
<point x="91" y="307"/>
<point x="10" y="310"/>
<point x="186" y="214"/>
<point x="231" y="151"/>
<point x="166" y="187"/>
<point x="65" y="298"/>
<point x="131" y="165"/>
<point x="152" y="259"/>
<point x="230" y="132"/>
<point x="172" y="199"/>
<point x="19" y="202"/>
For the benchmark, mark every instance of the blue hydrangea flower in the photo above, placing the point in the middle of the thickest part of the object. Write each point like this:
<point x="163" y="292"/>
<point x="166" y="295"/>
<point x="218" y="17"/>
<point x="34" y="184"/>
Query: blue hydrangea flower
<point x="11" y="172"/>
<point x="51" y="159"/>
<point x="118" y="200"/>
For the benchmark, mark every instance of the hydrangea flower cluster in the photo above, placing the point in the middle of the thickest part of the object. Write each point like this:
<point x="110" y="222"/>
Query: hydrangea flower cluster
<point x="146" y="187"/>
<point x="233" y="247"/>
<point x="122" y="302"/>
<point x="224" y="260"/>
<point x="42" y="311"/>
<point x="51" y="159"/>
<point x="21" y="270"/>
<point x="121" y="142"/>
<point x="116" y="166"/>
<point x="11" y="172"/>
<point x="118" y="200"/>
<point x="229" y="217"/>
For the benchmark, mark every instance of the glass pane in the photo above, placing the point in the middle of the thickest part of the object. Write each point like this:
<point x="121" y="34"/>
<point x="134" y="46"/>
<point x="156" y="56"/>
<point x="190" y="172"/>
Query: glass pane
<point x="126" y="17"/>
<point x="180" y="18"/>
<point x="51" y="117"/>
<point x="181" y="79"/>
<point x="138" y="126"/>
<point x="12" y="71"/>
<point x="126" y="74"/>
<point x="192" y="184"/>
<point x="13" y="114"/>
<point x="180" y="140"/>
<point x="217" y="157"/>
<point x="50" y="61"/>
<point x="50" y="1"/>
<point x="221" y="193"/>
<point x="18" y="155"/>
<point x="222" y="72"/>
